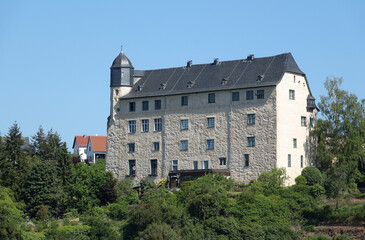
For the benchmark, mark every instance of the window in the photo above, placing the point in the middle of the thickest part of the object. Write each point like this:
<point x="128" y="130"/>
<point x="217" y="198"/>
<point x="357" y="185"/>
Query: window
<point x="210" y="144"/>
<point x="184" y="124"/>
<point x="251" y="119"/>
<point x="247" y="160"/>
<point x="183" y="145"/>
<point x="157" y="104"/>
<point x="131" y="147"/>
<point x="116" y="92"/>
<point x="154" y="167"/>
<point x="132" y="167"/>
<point x="158" y="125"/>
<point x="294" y="143"/>
<point x="184" y="100"/>
<point x="249" y="95"/>
<point x="132" y="126"/>
<point x="156" y="146"/>
<point x="311" y="122"/>
<point x="145" y="106"/>
<point x="260" y="94"/>
<point x="222" y="161"/>
<point x="294" y="79"/>
<point x="175" y="165"/>
<point x="132" y="106"/>
<point x="211" y="122"/>
<point x="250" y="141"/>
<point x="145" y="125"/>
<point x="206" y="164"/>
<point x="289" y="160"/>
<point x="301" y="161"/>
<point x="211" y="98"/>
<point x="235" y="96"/>
<point x="195" y="165"/>
<point x="303" y="121"/>
<point x="291" y="94"/>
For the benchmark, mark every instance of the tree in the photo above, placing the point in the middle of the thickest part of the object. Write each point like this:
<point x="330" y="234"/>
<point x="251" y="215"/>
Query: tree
<point x="341" y="133"/>
<point x="39" y="145"/>
<point x="43" y="188"/>
<point x="14" y="163"/>
<point x="312" y="175"/>
<point x="10" y="215"/>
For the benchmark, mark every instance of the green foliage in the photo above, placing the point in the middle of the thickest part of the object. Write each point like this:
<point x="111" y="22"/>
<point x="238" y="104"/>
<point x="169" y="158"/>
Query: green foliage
<point x="158" y="231"/>
<point x="317" y="190"/>
<point x="270" y="182"/>
<point x="146" y="185"/>
<point x="300" y="180"/>
<point x="100" y="228"/>
<point x="42" y="213"/>
<point x="69" y="232"/>
<point x="341" y="137"/>
<point x="43" y="187"/>
<point x="312" y="175"/>
<point x="125" y="192"/>
<point x="10" y="215"/>
<point x="87" y="182"/>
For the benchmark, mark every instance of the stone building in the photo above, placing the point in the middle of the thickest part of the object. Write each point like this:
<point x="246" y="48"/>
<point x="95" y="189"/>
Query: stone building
<point x="243" y="117"/>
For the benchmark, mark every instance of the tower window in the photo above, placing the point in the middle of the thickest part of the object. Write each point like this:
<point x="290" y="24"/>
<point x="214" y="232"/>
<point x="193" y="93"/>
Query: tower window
<point x="289" y="160"/>
<point x="291" y="94"/>
<point x="247" y="160"/>
<point x="294" y="143"/>
<point x="116" y="92"/>
<point x="132" y="167"/>
<point x="303" y="121"/>
<point x="301" y="161"/>
<point x="154" y="167"/>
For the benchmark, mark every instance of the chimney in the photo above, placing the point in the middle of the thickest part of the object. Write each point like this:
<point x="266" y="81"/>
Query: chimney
<point x="250" y="57"/>
<point x="189" y="63"/>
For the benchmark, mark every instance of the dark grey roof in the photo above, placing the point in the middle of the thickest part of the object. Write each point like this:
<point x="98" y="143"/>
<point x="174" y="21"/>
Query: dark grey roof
<point x="121" y="61"/>
<point x="266" y="71"/>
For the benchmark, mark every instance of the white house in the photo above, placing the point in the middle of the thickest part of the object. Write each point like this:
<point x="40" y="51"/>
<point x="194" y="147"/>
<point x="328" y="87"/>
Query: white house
<point x="80" y="146"/>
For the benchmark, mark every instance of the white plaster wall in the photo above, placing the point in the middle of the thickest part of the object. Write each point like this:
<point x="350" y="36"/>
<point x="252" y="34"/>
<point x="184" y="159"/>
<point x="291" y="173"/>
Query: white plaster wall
<point x="289" y="114"/>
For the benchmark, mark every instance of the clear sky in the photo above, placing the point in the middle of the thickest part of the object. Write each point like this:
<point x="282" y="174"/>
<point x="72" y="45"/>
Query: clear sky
<point x="55" y="55"/>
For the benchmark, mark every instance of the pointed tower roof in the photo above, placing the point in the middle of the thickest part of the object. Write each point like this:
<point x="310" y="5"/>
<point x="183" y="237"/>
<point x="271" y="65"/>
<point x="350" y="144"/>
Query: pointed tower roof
<point x="122" y="61"/>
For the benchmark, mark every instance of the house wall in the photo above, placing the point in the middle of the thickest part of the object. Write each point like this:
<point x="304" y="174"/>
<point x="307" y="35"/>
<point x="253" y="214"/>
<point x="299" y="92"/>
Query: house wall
<point x="230" y="135"/>
<point x="289" y="114"/>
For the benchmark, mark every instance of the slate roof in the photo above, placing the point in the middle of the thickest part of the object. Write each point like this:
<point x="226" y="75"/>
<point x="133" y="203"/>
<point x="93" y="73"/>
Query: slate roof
<point x="121" y="61"/>
<point x="244" y="73"/>
<point x="81" y="141"/>
<point x="98" y="143"/>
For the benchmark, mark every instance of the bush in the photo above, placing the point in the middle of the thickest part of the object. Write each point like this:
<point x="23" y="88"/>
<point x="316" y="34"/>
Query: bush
<point x="313" y="175"/>
<point x="300" y="180"/>
<point x="157" y="231"/>
<point x="317" y="190"/>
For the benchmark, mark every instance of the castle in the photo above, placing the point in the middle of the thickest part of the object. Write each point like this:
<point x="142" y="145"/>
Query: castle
<point x="242" y="117"/>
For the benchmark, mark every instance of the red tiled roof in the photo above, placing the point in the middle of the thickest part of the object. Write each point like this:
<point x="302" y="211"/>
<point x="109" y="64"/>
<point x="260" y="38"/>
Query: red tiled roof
<point x="81" y="141"/>
<point x="98" y="143"/>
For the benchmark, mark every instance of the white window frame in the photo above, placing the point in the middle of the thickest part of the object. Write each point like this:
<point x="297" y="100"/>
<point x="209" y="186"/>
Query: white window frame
<point x="211" y="122"/>
<point x="158" y="124"/>
<point x="145" y="125"/>
<point x="132" y="126"/>
<point x="175" y="165"/>
<point x="184" y="124"/>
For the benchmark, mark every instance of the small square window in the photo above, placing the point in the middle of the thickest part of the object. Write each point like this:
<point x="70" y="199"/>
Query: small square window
<point x="132" y="106"/>
<point x="195" y="165"/>
<point x="158" y="125"/>
<point x="303" y="121"/>
<point x="222" y="161"/>
<point x="145" y="125"/>
<point x="235" y="96"/>
<point x="132" y="126"/>
<point x="145" y="106"/>
<point x="132" y="167"/>
<point x="250" y="141"/>
<point x="157" y="104"/>
<point x="301" y="161"/>
<point x="184" y="124"/>
<point x="291" y="94"/>
<point x="211" y="98"/>
<point x="175" y="165"/>
<point x="247" y="160"/>
<point x="184" y="101"/>
<point x="131" y="147"/>
<point x="289" y="160"/>
<point x="156" y="146"/>
<point x="249" y="95"/>
<point x="154" y="167"/>
<point x="211" y="122"/>
<point x="210" y="144"/>
<point x="294" y="143"/>
<point x="183" y="145"/>
<point x="260" y="94"/>
<point x="251" y="119"/>
<point x="206" y="164"/>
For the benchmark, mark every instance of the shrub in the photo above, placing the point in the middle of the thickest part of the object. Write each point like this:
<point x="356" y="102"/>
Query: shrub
<point x="317" y="190"/>
<point x="156" y="231"/>
<point x="300" y="180"/>
<point x="313" y="175"/>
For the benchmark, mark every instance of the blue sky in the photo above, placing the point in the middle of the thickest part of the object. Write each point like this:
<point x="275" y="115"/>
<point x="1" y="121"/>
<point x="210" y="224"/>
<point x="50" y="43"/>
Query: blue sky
<point x="55" y="55"/>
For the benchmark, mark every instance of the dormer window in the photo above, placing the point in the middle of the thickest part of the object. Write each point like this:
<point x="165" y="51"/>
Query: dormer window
<point x="260" y="78"/>
<point x="224" y="81"/>
<point x="139" y="88"/>
<point x="162" y="86"/>
<point x="190" y="84"/>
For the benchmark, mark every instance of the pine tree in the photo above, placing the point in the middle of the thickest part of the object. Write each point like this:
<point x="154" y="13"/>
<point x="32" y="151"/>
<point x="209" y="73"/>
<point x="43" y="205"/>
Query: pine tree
<point x="39" y="146"/>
